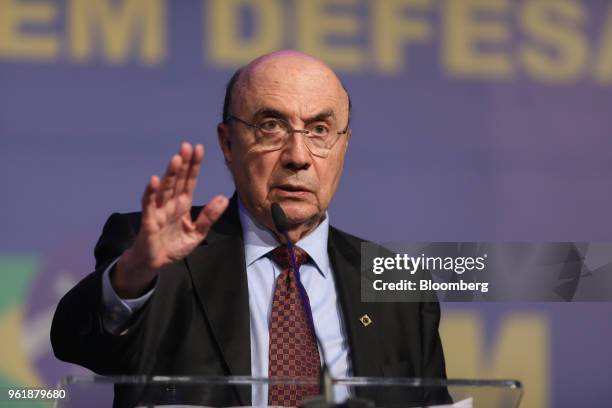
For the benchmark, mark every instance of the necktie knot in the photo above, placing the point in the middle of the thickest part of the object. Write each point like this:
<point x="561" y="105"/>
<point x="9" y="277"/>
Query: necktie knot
<point x="280" y="255"/>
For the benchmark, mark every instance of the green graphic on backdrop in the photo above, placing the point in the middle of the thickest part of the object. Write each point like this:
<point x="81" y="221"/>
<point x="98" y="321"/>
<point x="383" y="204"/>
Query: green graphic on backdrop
<point x="17" y="273"/>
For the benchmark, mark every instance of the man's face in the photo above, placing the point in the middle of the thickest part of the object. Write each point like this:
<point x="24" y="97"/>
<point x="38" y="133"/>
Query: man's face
<point x="302" y="183"/>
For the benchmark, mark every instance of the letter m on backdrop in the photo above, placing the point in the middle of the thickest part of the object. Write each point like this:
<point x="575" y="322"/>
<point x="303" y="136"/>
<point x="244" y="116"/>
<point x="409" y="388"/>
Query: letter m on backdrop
<point x="519" y="349"/>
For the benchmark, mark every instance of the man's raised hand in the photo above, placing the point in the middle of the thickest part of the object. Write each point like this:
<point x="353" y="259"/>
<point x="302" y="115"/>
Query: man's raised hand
<point x="167" y="233"/>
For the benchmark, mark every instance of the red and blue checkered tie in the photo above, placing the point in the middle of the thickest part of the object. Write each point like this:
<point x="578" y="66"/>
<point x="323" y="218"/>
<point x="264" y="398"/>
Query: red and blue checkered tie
<point x="293" y="346"/>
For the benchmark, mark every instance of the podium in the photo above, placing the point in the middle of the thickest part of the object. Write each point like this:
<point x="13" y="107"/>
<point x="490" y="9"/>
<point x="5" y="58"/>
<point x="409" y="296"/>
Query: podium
<point x="363" y="392"/>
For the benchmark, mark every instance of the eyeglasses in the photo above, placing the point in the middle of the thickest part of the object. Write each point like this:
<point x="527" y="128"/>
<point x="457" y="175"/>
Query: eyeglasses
<point x="273" y="133"/>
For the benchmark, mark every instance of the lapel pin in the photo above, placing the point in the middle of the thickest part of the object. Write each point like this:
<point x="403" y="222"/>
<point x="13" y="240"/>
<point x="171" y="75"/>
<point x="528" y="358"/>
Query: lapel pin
<point x="365" y="320"/>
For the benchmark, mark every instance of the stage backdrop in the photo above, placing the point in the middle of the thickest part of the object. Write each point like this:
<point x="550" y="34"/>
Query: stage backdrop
<point x="473" y="120"/>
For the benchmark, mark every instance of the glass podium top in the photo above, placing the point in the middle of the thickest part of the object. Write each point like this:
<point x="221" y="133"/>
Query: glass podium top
<point x="356" y="392"/>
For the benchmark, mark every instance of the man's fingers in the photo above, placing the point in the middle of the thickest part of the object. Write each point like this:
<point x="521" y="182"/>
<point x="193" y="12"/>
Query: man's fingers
<point x="194" y="169"/>
<point x="169" y="180"/>
<point x="186" y="153"/>
<point x="148" y="197"/>
<point x="211" y="213"/>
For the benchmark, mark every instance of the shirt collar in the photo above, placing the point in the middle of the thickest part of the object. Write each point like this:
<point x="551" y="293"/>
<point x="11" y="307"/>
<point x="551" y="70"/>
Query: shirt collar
<point x="258" y="240"/>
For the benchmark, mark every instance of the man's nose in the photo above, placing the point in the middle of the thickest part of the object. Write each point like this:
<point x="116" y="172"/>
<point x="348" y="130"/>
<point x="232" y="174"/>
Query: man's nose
<point x="296" y="154"/>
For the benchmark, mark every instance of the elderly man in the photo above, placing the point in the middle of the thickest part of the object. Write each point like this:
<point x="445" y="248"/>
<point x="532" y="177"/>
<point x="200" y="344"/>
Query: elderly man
<point x="182" y="290"/>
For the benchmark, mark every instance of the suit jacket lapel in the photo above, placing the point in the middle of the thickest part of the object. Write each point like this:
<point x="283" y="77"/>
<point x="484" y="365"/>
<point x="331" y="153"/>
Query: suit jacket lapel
<point x="364" y="341"/>
<point x="218" y="272"/>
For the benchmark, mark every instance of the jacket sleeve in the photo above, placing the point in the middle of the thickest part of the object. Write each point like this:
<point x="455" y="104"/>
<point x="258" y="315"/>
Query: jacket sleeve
<point x="77" y="332"/>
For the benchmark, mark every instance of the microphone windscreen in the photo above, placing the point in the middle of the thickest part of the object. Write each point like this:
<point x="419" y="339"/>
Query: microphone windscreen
<point x="280" y="219"/>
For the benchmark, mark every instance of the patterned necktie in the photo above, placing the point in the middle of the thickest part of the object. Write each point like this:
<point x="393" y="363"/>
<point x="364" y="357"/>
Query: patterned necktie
<point x="293" y="348"/>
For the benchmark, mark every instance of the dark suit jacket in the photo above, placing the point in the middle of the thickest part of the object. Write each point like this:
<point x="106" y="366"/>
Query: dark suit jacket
<point x="197" y="321"/>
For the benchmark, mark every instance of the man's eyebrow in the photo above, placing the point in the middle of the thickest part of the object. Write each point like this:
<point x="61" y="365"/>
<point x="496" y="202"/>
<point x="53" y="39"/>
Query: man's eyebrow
<point x="321" y="116"/>
<point x="263" y="112"/>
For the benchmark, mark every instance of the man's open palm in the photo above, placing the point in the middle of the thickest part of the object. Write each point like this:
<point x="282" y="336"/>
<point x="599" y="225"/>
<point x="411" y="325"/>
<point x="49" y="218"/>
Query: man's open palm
<point x="167" y="233"/>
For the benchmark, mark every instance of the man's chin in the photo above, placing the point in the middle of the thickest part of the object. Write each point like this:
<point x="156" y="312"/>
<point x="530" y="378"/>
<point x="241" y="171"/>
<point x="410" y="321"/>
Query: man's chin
<point x="299" y="212"/>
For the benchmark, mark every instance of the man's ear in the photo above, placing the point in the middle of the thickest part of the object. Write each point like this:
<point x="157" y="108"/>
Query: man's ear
<point x="223" y="136"/>
<point x="348" y="138"/>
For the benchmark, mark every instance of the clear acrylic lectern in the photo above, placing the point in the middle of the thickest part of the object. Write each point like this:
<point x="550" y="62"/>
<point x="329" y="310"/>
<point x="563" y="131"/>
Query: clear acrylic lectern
<point x="367" y="392"/>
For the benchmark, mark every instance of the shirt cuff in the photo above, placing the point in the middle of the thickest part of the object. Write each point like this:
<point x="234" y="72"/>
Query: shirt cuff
<point x="117" y="311"/>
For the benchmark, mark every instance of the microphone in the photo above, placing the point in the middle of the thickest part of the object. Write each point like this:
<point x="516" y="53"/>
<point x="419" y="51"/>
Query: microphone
<point x="282" y="226"/>
<point x="280" y="219"/>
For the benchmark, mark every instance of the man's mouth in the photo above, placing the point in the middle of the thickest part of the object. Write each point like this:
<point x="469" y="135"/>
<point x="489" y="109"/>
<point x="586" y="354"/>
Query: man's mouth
<point x="292" y="190"/>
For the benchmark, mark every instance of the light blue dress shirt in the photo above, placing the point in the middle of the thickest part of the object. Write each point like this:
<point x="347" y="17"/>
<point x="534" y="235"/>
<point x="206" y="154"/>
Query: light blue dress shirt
<point x="318" y="281"/>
